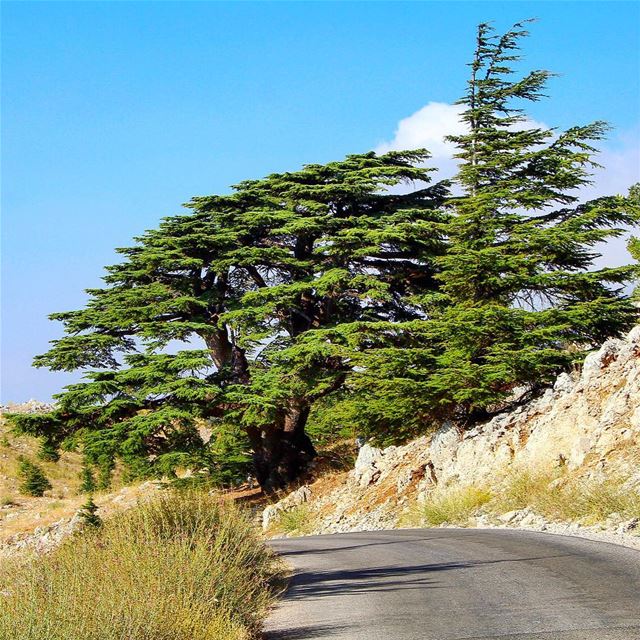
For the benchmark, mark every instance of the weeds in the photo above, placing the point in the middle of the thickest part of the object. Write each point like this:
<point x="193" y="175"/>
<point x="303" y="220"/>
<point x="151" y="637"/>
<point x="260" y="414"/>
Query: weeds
<point x="7" y="501"/>
<point x="548" y="493"/>
<point x="558" y="498"/>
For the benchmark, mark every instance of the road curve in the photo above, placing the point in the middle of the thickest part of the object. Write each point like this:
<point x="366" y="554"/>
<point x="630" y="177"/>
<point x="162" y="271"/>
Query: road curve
<point x="455" y="584"/>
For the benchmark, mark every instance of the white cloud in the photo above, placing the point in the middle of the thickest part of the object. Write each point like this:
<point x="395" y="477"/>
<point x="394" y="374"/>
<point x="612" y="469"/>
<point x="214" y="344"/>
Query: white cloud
<point x="427" y="128"/>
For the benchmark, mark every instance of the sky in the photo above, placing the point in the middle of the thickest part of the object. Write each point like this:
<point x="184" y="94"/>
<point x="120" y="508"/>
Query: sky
<point x="115" y="113"/>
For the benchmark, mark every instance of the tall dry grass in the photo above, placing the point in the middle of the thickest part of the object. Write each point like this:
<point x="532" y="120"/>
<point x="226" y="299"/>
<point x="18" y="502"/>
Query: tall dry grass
<point x="453" y="505"/>
<point x="300" y="520"/>
<point x="183" y="566"/>
<point x="557" y="497"/>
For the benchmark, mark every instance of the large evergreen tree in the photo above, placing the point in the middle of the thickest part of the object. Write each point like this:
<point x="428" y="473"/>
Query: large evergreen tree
<point x="523" y="299"/>
<point x="249" y="275"/>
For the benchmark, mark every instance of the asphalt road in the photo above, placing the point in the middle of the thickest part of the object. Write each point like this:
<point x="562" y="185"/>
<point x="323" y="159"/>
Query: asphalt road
<point x="446" y="584"/>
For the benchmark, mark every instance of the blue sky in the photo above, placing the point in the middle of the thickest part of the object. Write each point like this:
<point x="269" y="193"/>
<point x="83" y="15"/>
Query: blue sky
<point x="115" y="113"/>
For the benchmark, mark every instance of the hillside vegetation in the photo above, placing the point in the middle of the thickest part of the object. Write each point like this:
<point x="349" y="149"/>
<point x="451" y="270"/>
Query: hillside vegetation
<point x="179" y="567"/>
<point x="20" y="513"/>
<point x="49" y="515"/>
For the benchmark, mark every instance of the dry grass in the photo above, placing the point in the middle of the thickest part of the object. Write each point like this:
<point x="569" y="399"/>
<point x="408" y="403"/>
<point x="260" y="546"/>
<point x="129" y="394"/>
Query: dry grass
<point x="179" y="567"/>
<point x="63" y="475"/>
<point x="562" y="498"/>
<point x="551" y="494"/>
<point x="300" y="520"/>
<point x="20" y="514"/>
<point x="452" y="505"/>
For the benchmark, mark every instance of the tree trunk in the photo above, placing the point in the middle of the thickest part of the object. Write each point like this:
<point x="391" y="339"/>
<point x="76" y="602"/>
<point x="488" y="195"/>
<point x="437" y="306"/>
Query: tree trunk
<point x="219" y="347"/>
<point x="282" y="451"/>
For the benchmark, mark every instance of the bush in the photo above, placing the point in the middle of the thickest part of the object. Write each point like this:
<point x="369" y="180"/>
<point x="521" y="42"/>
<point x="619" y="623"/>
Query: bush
<point x="180" y="567"/>
<point x="48" y="452"/>
<point x="87" y="481"/>
<point x="33" y="480"/>
<point x="89" y="513"/>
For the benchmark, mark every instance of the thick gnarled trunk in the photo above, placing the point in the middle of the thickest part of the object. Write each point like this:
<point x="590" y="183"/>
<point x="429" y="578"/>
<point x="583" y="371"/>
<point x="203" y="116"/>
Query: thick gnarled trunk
<point x="282" y="451"/>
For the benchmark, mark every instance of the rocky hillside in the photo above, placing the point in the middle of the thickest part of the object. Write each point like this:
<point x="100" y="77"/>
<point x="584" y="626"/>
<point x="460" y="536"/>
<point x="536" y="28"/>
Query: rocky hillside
<point x="567" y="461"/>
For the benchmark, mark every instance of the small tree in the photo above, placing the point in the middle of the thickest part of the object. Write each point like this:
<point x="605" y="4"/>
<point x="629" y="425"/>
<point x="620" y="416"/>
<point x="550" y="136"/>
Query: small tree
<point x="34" y="482"/>
<point x="105" y="471"/>
<point x="87" y="481"/>
<point x="88" y="513"/>
<point x="48" y="451"/>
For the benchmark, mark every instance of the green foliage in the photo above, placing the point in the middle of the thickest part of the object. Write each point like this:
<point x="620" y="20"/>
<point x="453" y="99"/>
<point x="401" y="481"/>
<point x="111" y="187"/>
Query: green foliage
<point x="327" y="295"/>
<point x="87" y="480"/>
<point x="178" y="567"/>
<point x="48" y="451"/>
<point x="518" y="278"/>
<point x="518" y="297"/>
<point x="105" y="464"/>
<point x="32" y="477"/>
<point x="89" y="513"/>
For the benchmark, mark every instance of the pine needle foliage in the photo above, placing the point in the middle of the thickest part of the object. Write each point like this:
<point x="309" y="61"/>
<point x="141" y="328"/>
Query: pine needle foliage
<point x="33" y="480"/>
<point x="519" y="298"/>
<point x="89" y="513"/>
<point x="245" y="276"/>
<point x="87" y="480"/>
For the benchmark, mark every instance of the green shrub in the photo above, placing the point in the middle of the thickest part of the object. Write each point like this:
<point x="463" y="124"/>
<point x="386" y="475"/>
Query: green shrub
<point x="89" y="513"/>
<point x="87" y="480"/>
<point x="105" y="472"/>
<point x="48" y="452"/>
<point x="33" y="480"/>
<point x="180" y="567"/>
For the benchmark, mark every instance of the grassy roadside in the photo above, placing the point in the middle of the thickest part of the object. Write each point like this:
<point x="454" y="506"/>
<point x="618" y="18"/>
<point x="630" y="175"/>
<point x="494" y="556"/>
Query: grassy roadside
<point x="550" y="495"/>
<point x="179" y="567"/>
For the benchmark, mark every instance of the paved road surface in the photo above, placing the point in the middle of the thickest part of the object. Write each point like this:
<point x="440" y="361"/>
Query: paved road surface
<point x="446" y="584"/>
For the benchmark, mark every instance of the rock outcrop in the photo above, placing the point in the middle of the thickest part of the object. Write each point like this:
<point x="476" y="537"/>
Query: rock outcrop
<point x="588" y="423"/>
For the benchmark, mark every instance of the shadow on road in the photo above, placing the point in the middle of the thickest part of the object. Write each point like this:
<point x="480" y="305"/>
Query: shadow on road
<point x="364" y="545"/>
<point x="318" y="584"/>
<point x="302" y="633"/>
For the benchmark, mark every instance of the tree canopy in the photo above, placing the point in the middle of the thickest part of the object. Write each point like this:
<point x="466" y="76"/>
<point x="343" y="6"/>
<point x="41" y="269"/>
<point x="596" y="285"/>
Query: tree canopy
<point x="353" y="293"/>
